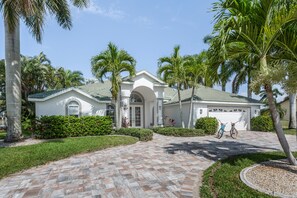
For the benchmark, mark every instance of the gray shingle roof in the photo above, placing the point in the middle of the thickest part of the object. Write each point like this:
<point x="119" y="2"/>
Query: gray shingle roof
<point x="203" y="93"/>
<point x="101" y="91"/>
<point x="45" y="94"/>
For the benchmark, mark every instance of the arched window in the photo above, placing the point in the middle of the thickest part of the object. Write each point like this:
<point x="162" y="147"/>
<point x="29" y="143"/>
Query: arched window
<point x="73" y="108"/>
<point x="110" y="112"/>
<point x="135" y="98"/>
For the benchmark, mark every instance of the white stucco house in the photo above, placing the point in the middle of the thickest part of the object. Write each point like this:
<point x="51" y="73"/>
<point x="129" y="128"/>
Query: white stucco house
<point x="146" y="101"/>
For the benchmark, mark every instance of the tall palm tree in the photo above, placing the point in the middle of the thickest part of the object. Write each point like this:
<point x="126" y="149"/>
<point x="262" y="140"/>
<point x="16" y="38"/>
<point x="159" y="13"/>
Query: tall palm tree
<point x="288" y="57"/>
<point x="240" y="67"/>
<point x="195" y="66"/>
<point x="171" y="70"/>
<point x="67" y="78"/>
<point x="252" y="27"/>
<point x="33" y="14"/>
<point x="111" y="63"/>
<point x="2" y="85"/>
<point x="34" y="70"/>
<point x="292" y="120"/>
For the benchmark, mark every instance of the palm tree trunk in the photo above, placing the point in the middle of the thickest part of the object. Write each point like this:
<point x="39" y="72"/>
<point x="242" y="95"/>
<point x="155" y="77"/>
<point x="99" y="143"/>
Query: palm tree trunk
<point x="223" y="86"/>
<point x="249" y="90"/>
<point x="117" y="120"/>
<point x="292" y="122"/>
<point x="13" y="83"/>
<point x="180" y="107"/>
<point x="191" y="107"/>
<point x="278" y="127"/>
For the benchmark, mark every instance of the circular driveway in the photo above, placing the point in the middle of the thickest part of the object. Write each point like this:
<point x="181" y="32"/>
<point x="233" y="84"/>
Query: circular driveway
<point x="164" y="167"/>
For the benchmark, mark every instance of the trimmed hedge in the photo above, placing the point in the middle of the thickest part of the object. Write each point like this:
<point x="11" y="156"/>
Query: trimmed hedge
<point x="179" y="132"/>
<point x="143" y="134"/>
<point x="262" y="123"/>
<point x="208" y="124"/>
<point x="49" y="127"/>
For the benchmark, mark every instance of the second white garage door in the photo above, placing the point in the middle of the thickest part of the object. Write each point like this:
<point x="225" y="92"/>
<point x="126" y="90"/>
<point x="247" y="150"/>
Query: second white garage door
<point x="228" y="115"/>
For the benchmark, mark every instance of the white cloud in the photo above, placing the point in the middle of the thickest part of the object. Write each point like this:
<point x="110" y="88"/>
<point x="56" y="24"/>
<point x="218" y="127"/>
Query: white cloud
<point x="142" y="20"/>
<point x="111" y="12"/>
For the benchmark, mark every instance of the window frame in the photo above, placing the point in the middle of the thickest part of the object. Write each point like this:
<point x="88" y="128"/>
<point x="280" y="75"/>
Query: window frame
<point x="73" y="103"/>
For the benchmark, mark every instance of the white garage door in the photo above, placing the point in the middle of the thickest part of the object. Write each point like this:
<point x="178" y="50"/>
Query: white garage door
<point x="228" y="115"/>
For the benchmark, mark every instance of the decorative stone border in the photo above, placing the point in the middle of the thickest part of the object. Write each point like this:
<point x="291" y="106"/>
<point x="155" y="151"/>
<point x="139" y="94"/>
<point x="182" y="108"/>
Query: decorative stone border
<point x="251" y="185"/>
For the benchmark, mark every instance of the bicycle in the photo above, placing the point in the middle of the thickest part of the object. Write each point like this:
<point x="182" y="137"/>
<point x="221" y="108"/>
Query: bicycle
<point x="233" y="131"/>
<point x="221" y="130"/>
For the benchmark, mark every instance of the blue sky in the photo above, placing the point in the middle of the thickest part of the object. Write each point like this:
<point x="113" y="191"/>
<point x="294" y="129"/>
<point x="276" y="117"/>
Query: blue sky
<point x="147" y="29"/>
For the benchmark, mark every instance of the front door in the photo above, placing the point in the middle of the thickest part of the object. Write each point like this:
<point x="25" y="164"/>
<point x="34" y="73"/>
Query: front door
<point x="136" y="116"/>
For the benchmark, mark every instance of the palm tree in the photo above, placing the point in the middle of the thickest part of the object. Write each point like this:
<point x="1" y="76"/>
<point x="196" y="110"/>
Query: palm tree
<point x="195" y="67"/>
<point x="252" y="27"/>
<point x="292" y="120"/>
<point x="240" y="67"/>
<point x="34" y="70"/>
<point x="33" y="14"/>
<point x="67" y="78"/>
<point x="171" y="70"/>
<point x="112" y="62"/>
<point x="2" y="85"/>
<point x="289" y="58"/>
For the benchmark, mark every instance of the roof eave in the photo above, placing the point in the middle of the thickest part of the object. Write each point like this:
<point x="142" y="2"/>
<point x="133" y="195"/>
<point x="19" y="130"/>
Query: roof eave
<point x="65" y="91"/>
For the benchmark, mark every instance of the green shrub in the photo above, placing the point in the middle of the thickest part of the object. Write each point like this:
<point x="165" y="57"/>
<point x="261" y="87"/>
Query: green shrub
<point x="262" y="123"/>
<point x="179" y="132"/>
<point x="208" y="124"/>
<point x="142" y="134"/>
<point x="27" y="127"/>
<point x="70" y="126"/>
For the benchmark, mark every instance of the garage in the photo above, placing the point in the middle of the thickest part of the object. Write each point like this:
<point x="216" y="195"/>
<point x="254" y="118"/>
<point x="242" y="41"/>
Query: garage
<point x="228" y="115"/>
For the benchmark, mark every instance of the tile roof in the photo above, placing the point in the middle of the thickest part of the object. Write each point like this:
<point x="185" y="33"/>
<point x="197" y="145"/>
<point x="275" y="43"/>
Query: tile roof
<point x="101" y="91"/>
<point x="203" y="93"/>
<point x="45" y="94"/>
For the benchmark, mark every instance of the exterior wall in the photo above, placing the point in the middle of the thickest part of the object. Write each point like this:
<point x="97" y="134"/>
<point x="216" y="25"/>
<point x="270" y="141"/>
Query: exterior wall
<point x="171" y="111"/>
<point x="255" y="111"/>
<point x="56" y="106"/>
<point x="200" y="110"/>
<point x="286" y="105"/>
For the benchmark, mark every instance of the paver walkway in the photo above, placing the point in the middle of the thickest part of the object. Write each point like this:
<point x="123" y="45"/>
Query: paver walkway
<point x="164" y="167"/>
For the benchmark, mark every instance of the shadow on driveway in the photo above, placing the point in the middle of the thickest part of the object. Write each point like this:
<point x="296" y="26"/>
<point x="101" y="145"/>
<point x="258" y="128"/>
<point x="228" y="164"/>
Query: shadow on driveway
<point x="214" y="150"/>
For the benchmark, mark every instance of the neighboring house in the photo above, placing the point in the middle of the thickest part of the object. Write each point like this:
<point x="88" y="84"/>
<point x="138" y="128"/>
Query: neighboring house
<point x="285" y="105"/>
<point x="146" y="101"/>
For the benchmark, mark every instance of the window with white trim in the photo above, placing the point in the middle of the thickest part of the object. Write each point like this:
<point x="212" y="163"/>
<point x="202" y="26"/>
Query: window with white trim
<point x="110" y="111"/>
<point x="135" y="98"/>
<point x="73" y="109"/>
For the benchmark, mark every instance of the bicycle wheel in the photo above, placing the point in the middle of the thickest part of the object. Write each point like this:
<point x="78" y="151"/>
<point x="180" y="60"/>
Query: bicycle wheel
<point x="220" y="134"/>
<point x="234" y="133"/>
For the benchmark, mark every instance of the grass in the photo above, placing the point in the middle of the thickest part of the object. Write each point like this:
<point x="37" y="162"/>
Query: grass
<point x="222" y="179"/>
<point x="15" y="159"/>
<point x="290" y="131"/>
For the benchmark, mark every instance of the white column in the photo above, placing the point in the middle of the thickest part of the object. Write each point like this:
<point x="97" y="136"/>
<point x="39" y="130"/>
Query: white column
<point x="125" y="103"/>
<point x="159" y="111"/>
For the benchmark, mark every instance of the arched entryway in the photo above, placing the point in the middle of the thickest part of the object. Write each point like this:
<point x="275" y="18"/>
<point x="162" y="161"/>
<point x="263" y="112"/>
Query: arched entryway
<point x="136" y="110"/>
<point x="142" y="106"/>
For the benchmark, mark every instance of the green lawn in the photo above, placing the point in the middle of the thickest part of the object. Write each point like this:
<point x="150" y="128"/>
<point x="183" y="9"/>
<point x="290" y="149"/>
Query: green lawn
<point x="290" y="131"/>
<point x="287" y="131"/>
<point x="15" y="159"/>
<point x="222" y="179"/>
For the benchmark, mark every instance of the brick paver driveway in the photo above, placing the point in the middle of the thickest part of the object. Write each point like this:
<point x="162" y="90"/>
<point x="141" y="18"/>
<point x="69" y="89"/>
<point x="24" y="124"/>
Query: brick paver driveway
<point x="164" y="167"/>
